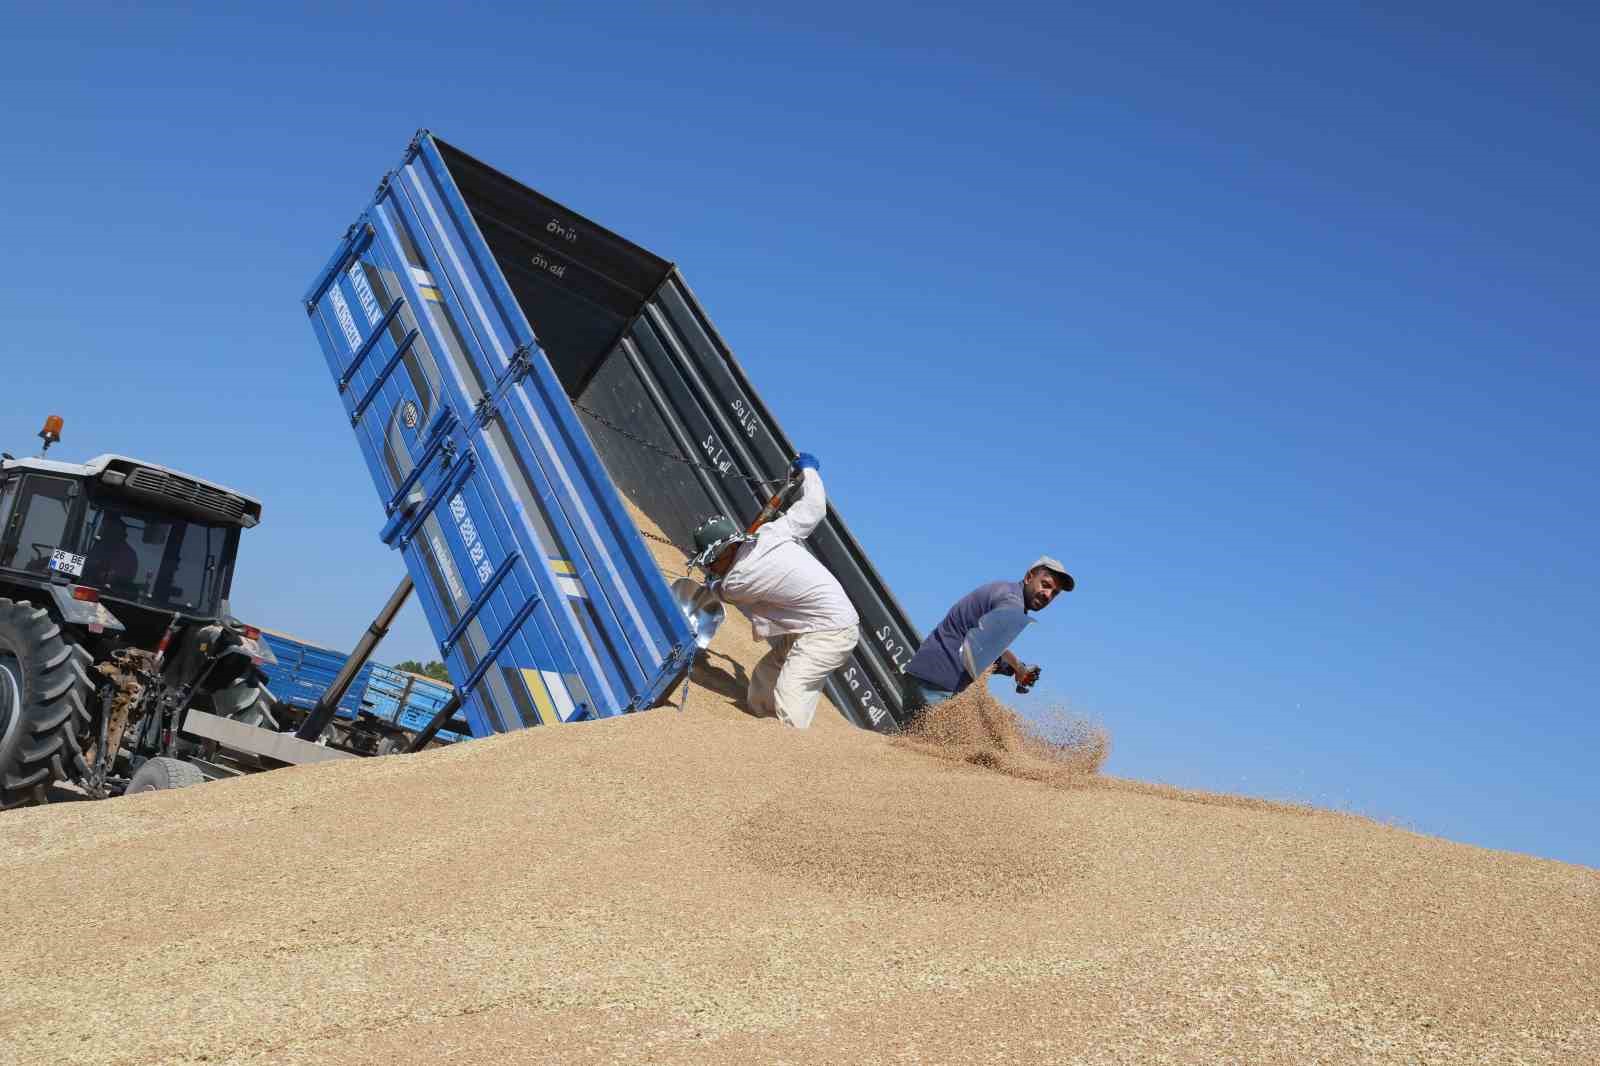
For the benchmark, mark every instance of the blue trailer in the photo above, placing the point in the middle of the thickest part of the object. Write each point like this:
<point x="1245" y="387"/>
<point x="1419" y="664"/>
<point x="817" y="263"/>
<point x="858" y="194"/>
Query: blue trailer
<point x="382" y="710"/>
<point x="546" y="604"/>
<point x="304" y="671"/>
<point x="478" y="333"/>
<point x="407" y="700"/>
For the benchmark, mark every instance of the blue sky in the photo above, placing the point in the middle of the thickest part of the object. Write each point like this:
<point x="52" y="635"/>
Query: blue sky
<point x="1277" y="325"/>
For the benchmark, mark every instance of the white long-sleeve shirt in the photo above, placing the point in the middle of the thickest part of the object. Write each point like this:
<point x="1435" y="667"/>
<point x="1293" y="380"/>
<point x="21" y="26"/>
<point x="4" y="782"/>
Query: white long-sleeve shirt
<point x="779" y="583"/>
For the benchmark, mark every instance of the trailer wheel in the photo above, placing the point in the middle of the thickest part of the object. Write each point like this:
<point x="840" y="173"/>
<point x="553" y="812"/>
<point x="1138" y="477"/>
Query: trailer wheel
<point x="393" y="744"/>
<point x="161" y="773"/>
<point x="45" y="696"/>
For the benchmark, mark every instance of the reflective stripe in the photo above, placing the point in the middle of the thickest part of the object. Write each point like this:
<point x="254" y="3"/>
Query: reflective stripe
<point x="541" y="697"/>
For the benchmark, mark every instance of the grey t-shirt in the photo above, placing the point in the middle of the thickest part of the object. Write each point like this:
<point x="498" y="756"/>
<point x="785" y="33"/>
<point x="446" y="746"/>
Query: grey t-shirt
<point x="938" y="661"/>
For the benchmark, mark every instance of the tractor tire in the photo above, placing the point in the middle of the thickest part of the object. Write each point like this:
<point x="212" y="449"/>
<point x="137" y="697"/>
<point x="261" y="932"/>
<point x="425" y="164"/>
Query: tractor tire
<point x="45" y="697"/>
<point x="161" y="773"/>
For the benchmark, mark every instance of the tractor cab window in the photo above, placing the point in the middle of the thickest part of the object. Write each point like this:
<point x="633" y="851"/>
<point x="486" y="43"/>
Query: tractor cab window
<point x="37" y="523"/>
<point x="8" y="497"/>
<point x="153" y="558"/>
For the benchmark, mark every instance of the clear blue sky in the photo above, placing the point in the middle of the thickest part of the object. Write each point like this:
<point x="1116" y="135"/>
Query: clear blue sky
<point x="1278" y="325"/>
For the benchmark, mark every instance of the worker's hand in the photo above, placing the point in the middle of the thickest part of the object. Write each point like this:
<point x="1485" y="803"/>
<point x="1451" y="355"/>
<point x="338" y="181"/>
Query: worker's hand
<point x="805" y="461"/>
<point x="1027" y="676"/>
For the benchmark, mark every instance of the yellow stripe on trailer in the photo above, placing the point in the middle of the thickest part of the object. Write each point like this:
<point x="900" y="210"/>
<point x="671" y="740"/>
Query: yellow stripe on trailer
<point x="566" y="572"/>
<point x="542" y="703"/>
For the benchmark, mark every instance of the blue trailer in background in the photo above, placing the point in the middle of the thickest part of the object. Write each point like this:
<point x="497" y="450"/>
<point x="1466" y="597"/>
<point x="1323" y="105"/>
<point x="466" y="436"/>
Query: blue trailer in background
<point x="381" y="711"/>
<point x="467" y="322"/>
<point x="408" y="701"/>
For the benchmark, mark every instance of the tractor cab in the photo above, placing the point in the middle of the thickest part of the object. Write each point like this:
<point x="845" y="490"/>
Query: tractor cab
<point x="114" y="622"/>
<point x="145" y="541"/>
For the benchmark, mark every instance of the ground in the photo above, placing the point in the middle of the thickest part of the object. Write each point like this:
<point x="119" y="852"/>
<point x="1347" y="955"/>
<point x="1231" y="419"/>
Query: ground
<point x="707" y="887"/>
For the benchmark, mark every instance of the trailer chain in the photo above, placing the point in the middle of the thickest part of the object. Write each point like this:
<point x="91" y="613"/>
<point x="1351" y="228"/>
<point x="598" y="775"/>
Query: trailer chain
<point x="683" y="700"/>
<point x="674" y="456"/>
<point x="659" y="539"/>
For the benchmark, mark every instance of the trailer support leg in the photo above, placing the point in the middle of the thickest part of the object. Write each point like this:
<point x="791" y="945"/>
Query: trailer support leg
<point x="328" y="702"/>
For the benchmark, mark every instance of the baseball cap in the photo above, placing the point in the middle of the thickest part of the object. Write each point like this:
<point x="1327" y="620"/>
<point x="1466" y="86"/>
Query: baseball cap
<point x="1054" y="566"/>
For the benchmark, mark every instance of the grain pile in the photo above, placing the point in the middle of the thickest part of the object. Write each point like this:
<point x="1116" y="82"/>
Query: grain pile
<point x="706" y="887"/>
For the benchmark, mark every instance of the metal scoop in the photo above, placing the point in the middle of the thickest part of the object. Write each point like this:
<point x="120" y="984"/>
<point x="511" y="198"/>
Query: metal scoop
<point x="701" y="607"/>
<point x="992" y="635"/>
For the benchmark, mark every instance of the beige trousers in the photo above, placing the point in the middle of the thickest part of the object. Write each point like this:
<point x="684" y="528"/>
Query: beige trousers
<point x="788" y="680"/>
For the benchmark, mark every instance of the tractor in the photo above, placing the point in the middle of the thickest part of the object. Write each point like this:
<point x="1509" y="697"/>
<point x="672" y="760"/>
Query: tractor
<point x="114" y="625"/>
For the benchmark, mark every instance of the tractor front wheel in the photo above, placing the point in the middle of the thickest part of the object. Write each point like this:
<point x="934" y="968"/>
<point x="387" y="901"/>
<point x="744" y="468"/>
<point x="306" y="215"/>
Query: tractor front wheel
<point x="45" y="696"/>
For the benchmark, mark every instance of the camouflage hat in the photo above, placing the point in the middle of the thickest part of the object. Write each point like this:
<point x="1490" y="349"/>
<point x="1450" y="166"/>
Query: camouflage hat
<point x="717" y="527"/>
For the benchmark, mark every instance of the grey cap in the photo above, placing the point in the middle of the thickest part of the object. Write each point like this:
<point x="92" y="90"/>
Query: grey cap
<point x="1055" y="567"/>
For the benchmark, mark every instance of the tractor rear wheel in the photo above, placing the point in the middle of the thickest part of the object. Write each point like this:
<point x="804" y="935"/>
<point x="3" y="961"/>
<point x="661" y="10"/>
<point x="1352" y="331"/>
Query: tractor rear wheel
<point x="45" y="696"/>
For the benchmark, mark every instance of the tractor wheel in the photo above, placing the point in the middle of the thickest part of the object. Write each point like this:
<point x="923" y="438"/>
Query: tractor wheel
<point x="161" y="773"/>
<point x="45" y="696"/>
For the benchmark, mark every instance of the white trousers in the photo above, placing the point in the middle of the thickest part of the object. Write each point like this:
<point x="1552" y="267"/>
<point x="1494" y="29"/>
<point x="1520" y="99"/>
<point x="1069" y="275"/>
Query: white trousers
<point x="788" y="680"/>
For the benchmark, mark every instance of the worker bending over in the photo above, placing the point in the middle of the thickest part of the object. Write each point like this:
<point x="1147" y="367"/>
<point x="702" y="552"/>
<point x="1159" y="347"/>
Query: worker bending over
<point x="795" y="605"/>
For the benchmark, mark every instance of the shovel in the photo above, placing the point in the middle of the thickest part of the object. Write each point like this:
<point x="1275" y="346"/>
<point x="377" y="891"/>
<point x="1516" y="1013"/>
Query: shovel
<point x="992" y="635"/>
<point x="701" y="607"/>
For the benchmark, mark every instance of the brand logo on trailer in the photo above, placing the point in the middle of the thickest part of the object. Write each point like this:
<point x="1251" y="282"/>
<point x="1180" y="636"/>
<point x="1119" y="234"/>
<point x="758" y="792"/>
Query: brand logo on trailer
<point x="441" y="554"/>
<point x="469" y="539"/>
<point x="369" y="302"/>
<point x="347" y="322"/>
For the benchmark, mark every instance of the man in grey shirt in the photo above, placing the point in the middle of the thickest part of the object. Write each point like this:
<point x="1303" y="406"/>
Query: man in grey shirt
<point x="937" y="668"/>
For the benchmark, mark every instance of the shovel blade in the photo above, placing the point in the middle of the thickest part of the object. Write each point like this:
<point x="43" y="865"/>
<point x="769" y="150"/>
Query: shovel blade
<point x="992" y="635"/>
<point x="701" y="607"/>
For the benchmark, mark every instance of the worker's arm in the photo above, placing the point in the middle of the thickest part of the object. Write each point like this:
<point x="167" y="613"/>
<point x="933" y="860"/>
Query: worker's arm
<point x="806" y="513"/>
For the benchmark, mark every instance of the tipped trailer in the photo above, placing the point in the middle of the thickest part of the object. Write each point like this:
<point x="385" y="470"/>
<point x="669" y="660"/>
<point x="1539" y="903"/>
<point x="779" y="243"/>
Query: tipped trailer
<point x="510" y="370"/>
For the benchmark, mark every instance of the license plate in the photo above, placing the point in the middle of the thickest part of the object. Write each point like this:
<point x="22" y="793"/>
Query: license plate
<point x="67" y="563"/>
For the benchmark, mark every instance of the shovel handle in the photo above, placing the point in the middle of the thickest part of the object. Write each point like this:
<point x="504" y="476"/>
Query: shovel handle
<point x="773" y="509"/>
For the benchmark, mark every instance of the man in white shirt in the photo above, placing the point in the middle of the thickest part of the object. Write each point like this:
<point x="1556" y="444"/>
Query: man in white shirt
<point x="795" y="605"/>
